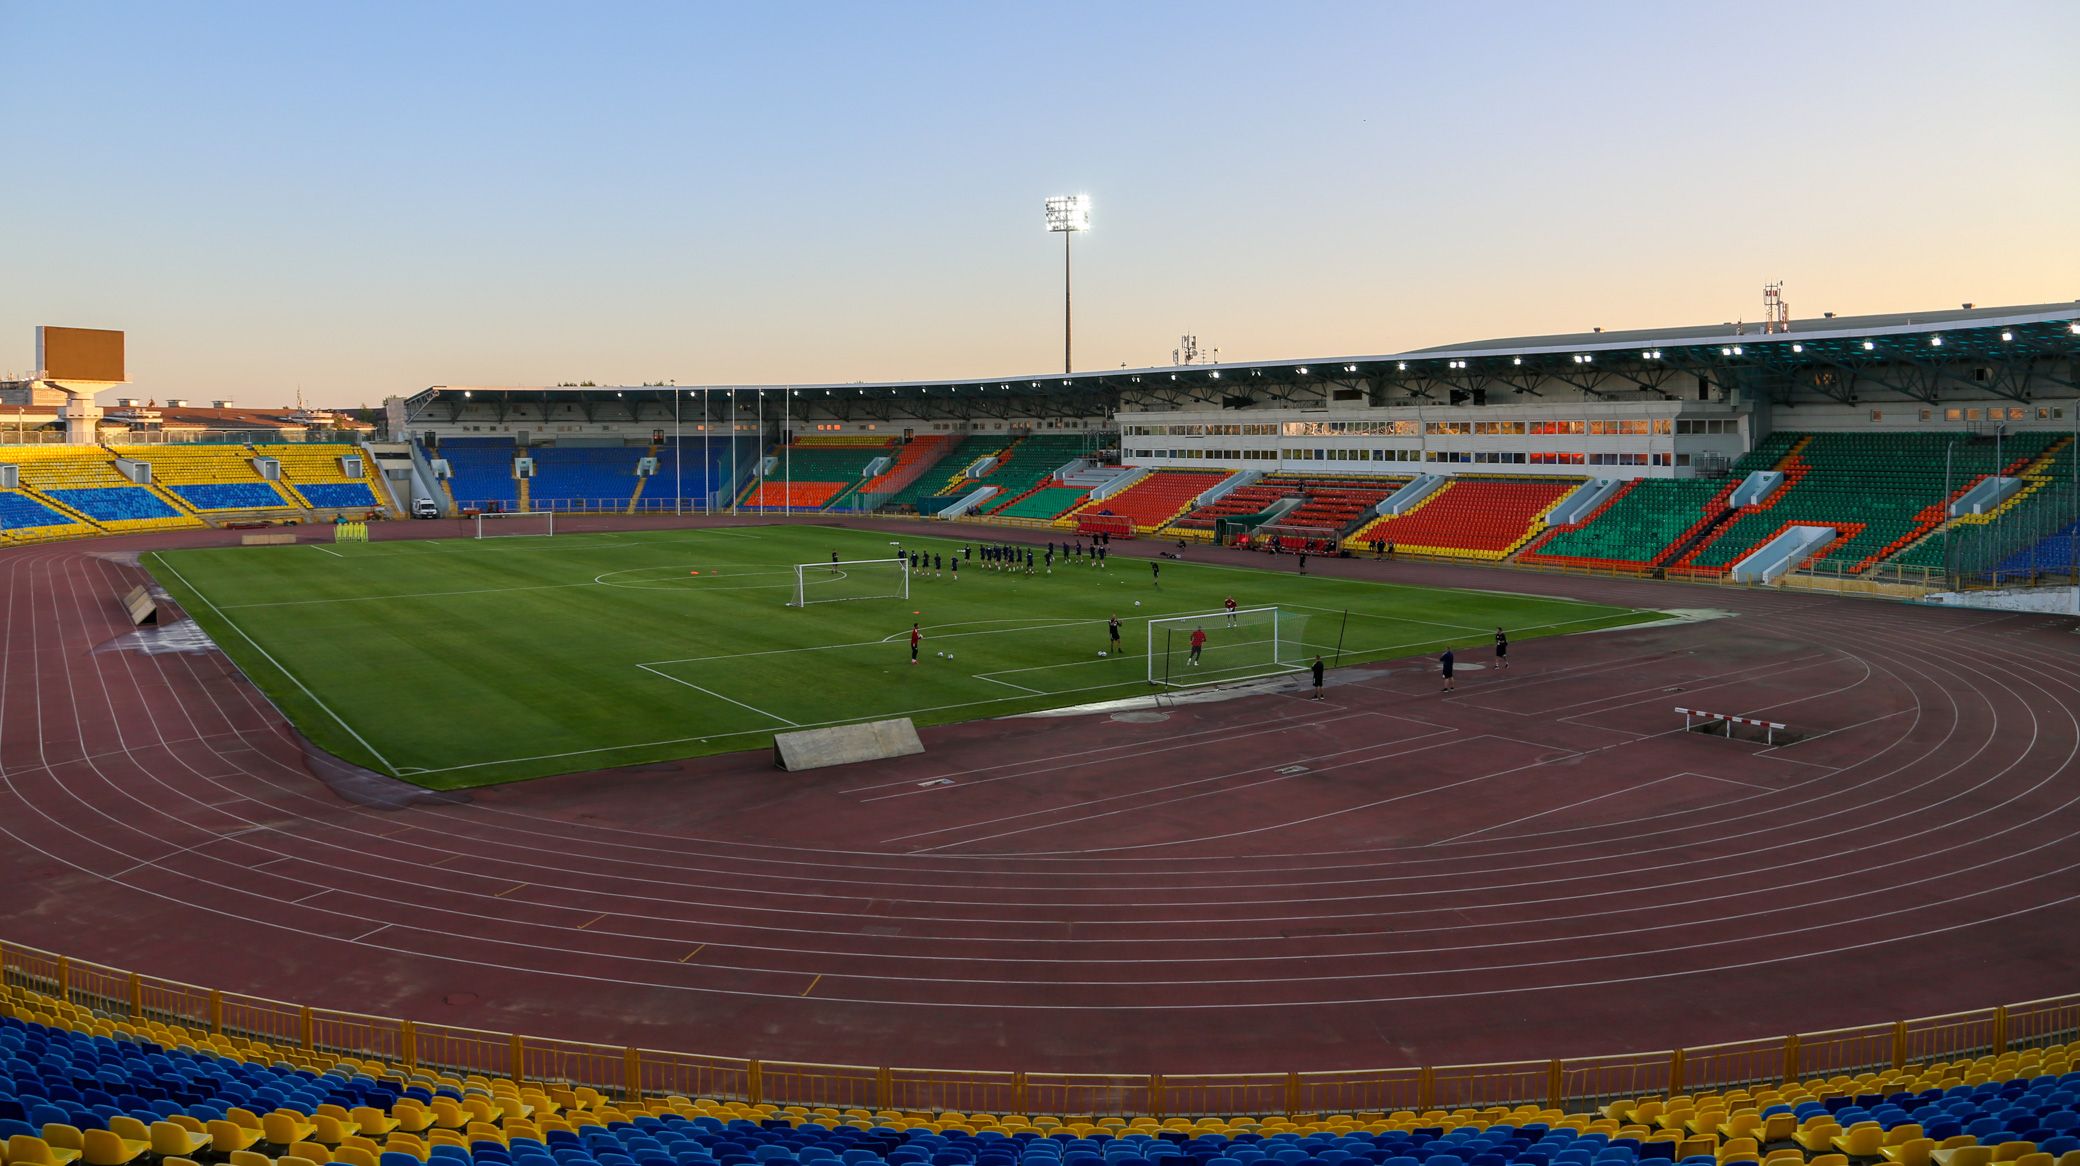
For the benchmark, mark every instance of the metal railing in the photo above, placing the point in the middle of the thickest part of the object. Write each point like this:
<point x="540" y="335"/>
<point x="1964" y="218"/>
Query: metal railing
<point x="1569" y="1083"/>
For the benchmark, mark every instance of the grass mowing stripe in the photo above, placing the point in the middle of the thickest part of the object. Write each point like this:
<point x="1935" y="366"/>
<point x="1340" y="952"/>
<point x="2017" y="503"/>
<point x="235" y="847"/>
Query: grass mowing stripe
<point x="478" y="663"/>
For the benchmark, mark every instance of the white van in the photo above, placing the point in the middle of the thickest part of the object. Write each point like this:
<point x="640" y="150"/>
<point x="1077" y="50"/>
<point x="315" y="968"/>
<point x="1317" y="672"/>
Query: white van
<point x="424" y="508"/>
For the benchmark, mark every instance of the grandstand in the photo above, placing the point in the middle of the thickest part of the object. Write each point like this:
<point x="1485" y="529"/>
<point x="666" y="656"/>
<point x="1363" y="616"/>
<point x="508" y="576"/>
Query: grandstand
<point x="1470" y="517"/>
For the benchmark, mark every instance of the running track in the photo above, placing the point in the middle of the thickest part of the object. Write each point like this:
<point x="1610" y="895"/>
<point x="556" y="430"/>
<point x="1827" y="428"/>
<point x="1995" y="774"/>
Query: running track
<point x="1540" y="864"/>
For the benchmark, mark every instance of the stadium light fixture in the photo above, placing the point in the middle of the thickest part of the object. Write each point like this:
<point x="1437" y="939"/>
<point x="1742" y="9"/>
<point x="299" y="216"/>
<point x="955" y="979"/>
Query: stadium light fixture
<point x="1798" y="348"/>
<point x="1516" y="360"/>
<point x="1216" y="374"/>
<point x="1736" y="350"/>
<point x="1303" y="370"/>
<point x="2074" y="327"/>
<point x="1067" y="214"/>
<point x="2007" y="337"/>
<point x="1350" y="368"/>
<point x="1869" y="346"/>
<point x="1935" y="342"/>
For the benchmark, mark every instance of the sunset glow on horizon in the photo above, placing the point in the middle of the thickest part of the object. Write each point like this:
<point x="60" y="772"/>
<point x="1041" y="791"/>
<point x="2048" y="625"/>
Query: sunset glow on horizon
<point x="365" y="200"/>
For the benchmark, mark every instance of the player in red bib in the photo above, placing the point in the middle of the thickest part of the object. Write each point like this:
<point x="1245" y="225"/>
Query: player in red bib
<point x="1229" y="603"/>
<point x="1198" y="642"/>
<point x="916" y="638"/>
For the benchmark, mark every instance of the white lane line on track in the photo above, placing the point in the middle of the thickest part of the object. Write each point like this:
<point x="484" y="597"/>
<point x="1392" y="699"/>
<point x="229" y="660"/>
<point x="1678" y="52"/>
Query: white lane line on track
<point x="292" y="677"/>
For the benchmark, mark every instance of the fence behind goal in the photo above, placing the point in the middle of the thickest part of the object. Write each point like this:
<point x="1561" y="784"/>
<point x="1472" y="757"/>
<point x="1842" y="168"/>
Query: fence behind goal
<point x="831" y="582"/>
<point x="1247" y="644"/>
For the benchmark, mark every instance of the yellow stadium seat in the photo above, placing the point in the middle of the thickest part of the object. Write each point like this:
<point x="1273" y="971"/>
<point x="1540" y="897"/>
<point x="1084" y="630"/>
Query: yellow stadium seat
<point x="283" y="1128"/>
<point x="1818" y="1136"/>
<point x="1778" y="1127"/>
<point x="104" y="1148"/>
<point x="1742" y="1125"/>
<point x="371" y="1121"/>
<point x="24" y="1150"/>
<point x="1912" y="1152"/>
<point x="172" y="1141"/>
<point x="1862" y="1140"/>
<point x="1967" y="1155"/>
<point x="1739" y="1150"/>
<point x="64" y="1137"/>
<point x="354" y="1156"/>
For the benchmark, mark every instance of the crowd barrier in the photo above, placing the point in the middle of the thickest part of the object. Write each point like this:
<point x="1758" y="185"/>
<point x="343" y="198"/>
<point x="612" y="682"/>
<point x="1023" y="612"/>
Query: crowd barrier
<point x="1570" y="1083"/>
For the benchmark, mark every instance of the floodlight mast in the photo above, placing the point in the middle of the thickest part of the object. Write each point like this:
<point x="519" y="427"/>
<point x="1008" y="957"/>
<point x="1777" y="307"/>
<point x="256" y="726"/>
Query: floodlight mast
<point x="1066" y="215"/>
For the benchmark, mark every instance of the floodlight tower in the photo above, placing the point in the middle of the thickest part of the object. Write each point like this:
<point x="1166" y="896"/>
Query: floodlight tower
<point x="1066" y="215"/>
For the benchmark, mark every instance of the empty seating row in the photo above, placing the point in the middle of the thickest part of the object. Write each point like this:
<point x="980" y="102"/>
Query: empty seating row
<point x="1470" y="517"/>
<point x="1154" y="499"/>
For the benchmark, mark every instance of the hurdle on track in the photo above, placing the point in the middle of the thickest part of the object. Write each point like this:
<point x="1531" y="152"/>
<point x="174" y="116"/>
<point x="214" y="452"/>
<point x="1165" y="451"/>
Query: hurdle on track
<point x="1770" y="728"/>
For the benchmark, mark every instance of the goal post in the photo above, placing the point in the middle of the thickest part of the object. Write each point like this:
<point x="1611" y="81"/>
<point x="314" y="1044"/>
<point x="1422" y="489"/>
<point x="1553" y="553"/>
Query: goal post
<point x="833" y="582"/>
<point x="517" y="524"/>
<point x="1313" y="540"/>
<point x="1252" y="643"/>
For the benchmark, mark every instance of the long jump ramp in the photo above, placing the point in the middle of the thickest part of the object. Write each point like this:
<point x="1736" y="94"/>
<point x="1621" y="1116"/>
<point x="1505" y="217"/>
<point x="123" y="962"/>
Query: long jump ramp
<point x="845" y="744"/>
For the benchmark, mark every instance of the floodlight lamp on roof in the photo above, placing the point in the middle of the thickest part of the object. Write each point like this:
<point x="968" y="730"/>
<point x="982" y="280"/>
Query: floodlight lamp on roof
<point x="1350" y="368"/>
<point x="2007" y="337"/>
<point x="1303" y="370"/>
<point x="1798" y="348"/>
<point x="1401" y="366"/>
<point x="1935" y="342"/>
<point x="1516" y="360"/>
<point x="2074" y="327"/>
<point x="1868" y="346"/>
<point x="1216" y="374"/>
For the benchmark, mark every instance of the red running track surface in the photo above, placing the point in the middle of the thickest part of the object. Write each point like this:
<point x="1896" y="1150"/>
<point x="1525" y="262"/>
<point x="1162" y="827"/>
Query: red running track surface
<point x="1539" y="864"/>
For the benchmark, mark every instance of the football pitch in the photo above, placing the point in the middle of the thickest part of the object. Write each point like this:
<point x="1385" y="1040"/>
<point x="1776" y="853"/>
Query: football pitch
<point x="459" y="662"/>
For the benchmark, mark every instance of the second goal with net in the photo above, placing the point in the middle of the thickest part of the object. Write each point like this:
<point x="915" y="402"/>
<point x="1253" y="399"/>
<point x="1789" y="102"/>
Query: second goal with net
<point x="850" y="579"/>
<point x="1250" y="643"/>
<point x="516" y="524"/>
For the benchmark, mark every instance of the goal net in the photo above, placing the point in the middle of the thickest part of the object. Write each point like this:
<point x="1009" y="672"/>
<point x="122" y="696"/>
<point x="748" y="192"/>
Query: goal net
<point x="517" y="524"/>
<point x="1291" y="540"/>
<point x="1249" y="644"/>
<point x="850" y="579"/>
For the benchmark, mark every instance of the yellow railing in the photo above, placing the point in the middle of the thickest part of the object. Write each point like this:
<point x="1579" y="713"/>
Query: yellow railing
<point x="1575" y="1083"/>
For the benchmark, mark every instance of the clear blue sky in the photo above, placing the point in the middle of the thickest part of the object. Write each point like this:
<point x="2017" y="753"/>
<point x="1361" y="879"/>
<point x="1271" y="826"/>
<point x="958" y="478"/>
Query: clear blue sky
<point x="365" y="199"/>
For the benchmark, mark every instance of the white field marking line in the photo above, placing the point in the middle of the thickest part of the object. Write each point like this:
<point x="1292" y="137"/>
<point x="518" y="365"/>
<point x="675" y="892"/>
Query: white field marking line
<point x="1022" y="688"/>
<point x="269" y="657"/>
<point x="408" y="595"/>
<point x="718" y="696"/>
<point x="1553" y="810"/>
<point x="966" y="623"/>
<point x="327" y="550"/>
<point x="655" y="665"/>
<point x="1269" y="770"/>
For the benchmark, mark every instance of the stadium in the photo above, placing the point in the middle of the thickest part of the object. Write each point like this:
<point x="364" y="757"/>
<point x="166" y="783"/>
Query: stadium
<point x="1597" y="740"/>
<point x="1774" y="599"/>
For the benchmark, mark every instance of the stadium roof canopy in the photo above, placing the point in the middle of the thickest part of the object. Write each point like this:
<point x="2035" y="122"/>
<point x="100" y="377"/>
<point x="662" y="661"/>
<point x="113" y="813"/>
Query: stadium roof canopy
<point x="2007" y="351"/>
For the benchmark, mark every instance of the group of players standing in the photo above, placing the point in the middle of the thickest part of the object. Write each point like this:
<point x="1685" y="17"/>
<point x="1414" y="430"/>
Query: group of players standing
<point x="1010" y="557"/>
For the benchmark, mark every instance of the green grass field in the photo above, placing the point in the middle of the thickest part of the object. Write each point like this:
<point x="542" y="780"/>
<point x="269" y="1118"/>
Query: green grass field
<point x="458" y="663"/>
